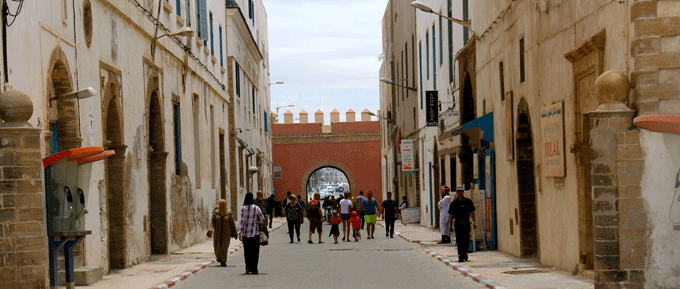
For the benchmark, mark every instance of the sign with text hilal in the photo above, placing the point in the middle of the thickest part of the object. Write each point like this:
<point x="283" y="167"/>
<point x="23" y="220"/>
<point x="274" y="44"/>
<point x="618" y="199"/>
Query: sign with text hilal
<point x="432" y="108"/>
<point x="552" y="128"/>
<point x="407" y="155"/>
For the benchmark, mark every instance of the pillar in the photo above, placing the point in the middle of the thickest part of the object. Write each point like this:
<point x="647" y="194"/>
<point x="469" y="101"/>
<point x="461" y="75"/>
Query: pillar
<point x="350" y="116"/>
<point x="620" y="219"/>
<point x="23" y="246"/>
<point x="304" y="116"/>
<point x="335" y="116"/>
<point x="318" y="117"/>
<point x="365" y="116"/>
<point x="288" y="117"/>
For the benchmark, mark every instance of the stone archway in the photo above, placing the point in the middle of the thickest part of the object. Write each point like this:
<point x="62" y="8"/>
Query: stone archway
<point x="323" y="164"/>
<point x="62" y="115"/>
<point x="156" y="165"/>
<point x="526" y="184"/>
<point x="115" y="176"/>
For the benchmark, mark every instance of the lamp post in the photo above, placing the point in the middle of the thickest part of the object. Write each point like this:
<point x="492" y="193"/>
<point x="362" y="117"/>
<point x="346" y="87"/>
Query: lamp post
<point x="425" y="8"/>
<point x="278" y="82"/>
<point x="277" y="110"/>
<point x="80" y="94"/>
<point x="387" y="119"/>
<point x="184" y="31"/>
<point x="389" y="81"/>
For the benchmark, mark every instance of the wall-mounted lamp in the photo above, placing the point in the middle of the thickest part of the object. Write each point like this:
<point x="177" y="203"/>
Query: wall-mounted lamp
<point x="278" y="82"/>
<point x="80" y="94"/>
<point x="425" y="8"/>
<point x="389" y="81"/>
<point x="387" y="119"/>
<point x="184" y="31"/>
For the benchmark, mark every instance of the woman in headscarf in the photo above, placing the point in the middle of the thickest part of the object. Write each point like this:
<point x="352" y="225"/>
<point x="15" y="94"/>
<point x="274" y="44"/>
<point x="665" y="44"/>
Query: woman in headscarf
<point x="224" y="229"/>
<point x="249" y="232"/>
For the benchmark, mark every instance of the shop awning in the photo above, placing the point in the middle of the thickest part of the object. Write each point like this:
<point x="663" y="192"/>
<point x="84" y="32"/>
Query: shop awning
<point x="484" y="123"/>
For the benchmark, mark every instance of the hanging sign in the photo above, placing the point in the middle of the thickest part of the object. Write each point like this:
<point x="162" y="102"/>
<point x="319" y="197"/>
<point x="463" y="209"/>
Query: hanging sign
<point x="552" y="128"/>
<point x="407" y="155"/>
<point x="277" y="172"/>
<point x="432" y="108"/>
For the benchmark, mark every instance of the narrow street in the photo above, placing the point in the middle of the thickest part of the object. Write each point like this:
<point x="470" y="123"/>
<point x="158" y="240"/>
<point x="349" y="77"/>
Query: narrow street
<point x="375" y="263"/>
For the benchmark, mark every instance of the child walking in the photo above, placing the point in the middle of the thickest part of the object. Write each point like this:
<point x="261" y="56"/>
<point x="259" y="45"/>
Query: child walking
<point x="335" y="222"/>
<point x="356" y="226"/>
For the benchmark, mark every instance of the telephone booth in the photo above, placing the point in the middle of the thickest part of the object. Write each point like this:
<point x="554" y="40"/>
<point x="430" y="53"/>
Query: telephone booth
<point x="67" y="177"/>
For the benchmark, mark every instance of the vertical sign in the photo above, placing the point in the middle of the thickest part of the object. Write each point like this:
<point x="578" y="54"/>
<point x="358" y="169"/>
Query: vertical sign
<point x="407" y="155"/>
<point x="552" y="128"/>
<point x="509" y="127"/>
<point x="432" y="108"/>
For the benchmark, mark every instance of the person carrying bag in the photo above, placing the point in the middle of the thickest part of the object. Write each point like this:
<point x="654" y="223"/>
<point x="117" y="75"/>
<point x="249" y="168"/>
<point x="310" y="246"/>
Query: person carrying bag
<point x="251" y="221"/>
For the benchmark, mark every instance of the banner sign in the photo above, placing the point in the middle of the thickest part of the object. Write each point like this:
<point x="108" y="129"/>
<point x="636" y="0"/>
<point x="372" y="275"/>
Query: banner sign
<point x="552" y="128"/>
<point x="432" y="108"/>
<point x="277" y="172"/>
<point x="407" y="155"/>
<point x="410" y="215"/>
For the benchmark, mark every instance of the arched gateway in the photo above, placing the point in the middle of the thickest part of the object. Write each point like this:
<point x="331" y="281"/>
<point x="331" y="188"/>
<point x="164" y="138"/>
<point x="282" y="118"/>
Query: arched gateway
<point x="300" y="149"/>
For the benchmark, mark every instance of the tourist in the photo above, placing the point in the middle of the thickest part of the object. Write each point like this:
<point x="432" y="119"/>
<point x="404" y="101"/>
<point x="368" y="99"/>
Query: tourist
<point x="249" y="233"/>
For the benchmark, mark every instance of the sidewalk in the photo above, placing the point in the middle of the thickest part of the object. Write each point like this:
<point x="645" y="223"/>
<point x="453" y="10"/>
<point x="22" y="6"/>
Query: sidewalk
<point x="493" y="269"/>
<point x="165" y="271"/>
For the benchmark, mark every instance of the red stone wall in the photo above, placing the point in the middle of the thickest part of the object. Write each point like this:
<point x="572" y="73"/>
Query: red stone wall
<point x="296" y="128"/>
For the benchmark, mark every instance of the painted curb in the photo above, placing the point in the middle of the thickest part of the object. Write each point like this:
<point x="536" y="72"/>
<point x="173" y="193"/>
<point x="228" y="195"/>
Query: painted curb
<point x="192" y="271"/>
<point x="464" y="271"/>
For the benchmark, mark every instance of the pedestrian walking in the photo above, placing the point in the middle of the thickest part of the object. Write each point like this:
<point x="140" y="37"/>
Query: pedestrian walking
<point x="293" y="216"/>
<point x="360" y="200"/>
<point x="327" y="205"/>
<point x="444" y="225"/>
<point x="271" y="205"/>
<point x="462" y="209"/>
<point x="224" y="229"/>
<point x="389" y="212"/>
<point x="345" y="205"/>
<point x="249" y="232"/>
<point x="261" y="202"/>
<point x="335" y="223"/>
<point x="356" y="226"/>
<point x="370" y="214"/>
<point x="303" y="205"/>
<point x="315" y="217"/>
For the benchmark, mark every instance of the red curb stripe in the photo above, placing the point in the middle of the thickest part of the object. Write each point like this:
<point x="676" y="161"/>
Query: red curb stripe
<point x="169" y="283"/>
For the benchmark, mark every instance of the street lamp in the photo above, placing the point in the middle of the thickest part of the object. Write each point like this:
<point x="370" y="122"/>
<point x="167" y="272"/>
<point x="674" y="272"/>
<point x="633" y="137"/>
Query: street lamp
<point x="425" y="8"/>
<point x="280" y="106"/>
<point x="387" y="119"/>
<point x="278" y="82"/>
<point x="184" y="31"/>
<point x="389" y="81"/>
<point x="80" y="94"/>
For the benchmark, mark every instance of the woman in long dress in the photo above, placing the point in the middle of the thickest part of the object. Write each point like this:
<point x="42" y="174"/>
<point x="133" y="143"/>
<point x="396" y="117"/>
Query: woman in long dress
<point x="444" y="215"/>
<point x="224" y="229"/>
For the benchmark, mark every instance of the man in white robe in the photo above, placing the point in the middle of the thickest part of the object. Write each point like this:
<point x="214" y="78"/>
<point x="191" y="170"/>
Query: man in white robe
<point x="444" y="216"/>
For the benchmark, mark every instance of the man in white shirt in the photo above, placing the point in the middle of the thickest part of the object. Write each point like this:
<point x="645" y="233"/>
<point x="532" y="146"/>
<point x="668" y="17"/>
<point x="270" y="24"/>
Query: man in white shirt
<point x="444" y="215"/>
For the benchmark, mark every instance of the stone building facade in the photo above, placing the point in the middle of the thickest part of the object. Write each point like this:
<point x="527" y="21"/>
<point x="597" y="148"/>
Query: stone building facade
<point x="168" y="107"/>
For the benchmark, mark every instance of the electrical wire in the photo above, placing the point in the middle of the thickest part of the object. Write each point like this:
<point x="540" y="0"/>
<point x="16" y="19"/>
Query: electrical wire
<point x="187" y="49"/>
<point x="21" y="5"/>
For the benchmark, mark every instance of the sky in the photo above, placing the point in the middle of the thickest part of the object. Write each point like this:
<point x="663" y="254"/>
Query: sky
<point x="326" y="53"/>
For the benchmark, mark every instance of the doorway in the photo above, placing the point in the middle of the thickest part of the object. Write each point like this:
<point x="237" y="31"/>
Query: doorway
<point x="526" y="185"/>
<point x="115" y="188"/>
<point x="156" y="170"/>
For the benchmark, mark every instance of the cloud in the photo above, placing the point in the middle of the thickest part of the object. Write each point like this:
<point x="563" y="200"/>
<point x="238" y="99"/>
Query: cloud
<point x="326" y="53"/>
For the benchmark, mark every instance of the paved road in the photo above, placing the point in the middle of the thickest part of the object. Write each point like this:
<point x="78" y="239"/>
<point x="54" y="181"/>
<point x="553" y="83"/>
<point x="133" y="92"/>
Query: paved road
<point x="375" y="263"/>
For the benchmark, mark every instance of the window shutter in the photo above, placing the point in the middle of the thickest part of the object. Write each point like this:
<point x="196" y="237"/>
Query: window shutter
<point x="202" y="20"/>
<point x="178" y="8"/>
<point x="212" y="36"/>
<point x="221" y="54"/>
<point x="265" y="122"/>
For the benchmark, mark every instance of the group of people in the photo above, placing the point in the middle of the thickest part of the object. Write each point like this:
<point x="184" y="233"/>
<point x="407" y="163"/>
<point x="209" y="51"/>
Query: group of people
<point x="455" y="213"/>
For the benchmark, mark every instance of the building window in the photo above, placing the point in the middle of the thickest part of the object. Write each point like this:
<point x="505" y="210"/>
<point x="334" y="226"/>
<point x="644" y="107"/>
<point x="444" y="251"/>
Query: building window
<point x="178" y="140"/>
<point x="501" y="80"/>
<point x="434" y="60"/>
<point x="238" y="79"/>
<point x="427" y="54"/>
<point x="266" y="127"/>
<point x="406" y="65"/>
<point x="201" y="15"/>
<point x="441" y="42"/>
<point x="197" y="143"/>
<point x="212" y="37"/>
<point x="420" y="71"/>
<point x="221" y="53"/>
<point x="253" y="95"/>
<point x="178" y="8"/>
<point x="450" y="27"/>
<point x="521" y="60"/>
<point x="188" y="13"/>
<point x="465" y="18"/>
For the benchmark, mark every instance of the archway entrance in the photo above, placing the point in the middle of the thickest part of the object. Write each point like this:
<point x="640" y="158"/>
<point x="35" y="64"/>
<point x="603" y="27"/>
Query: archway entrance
<point x="156" y="171"/>
<point x="329" y="182"/>
<point x="63" y="114"/>
<point x="526" y="185"/>
<point x="115" y="187"/>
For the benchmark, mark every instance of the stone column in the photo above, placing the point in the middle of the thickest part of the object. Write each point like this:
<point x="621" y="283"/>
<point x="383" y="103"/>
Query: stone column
<point x="620" y="220"/>
<point x="23" y="243"/>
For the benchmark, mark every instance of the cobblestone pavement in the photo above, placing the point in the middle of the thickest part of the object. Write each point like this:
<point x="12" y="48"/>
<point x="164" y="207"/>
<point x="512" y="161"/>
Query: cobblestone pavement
<point x="376" y="263"/>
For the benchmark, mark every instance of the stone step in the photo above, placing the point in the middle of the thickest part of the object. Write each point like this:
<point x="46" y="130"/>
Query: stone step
<point x="84" y="276"/>
<point x="77" y="262"/>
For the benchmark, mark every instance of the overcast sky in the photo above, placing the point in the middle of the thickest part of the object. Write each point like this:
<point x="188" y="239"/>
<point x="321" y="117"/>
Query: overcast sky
<point x="326" y="53"/>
